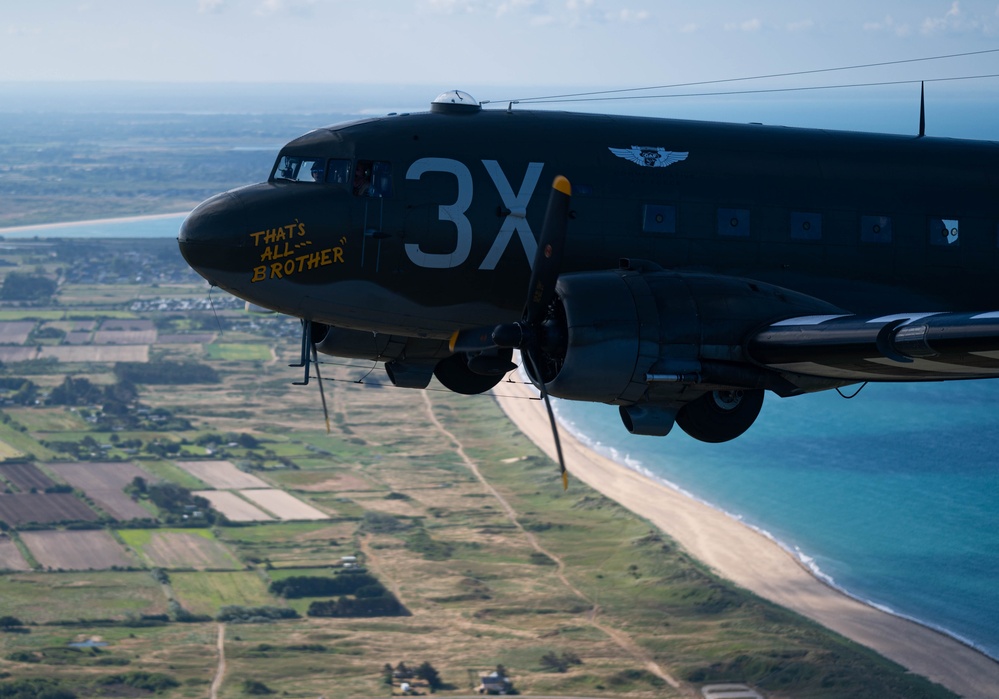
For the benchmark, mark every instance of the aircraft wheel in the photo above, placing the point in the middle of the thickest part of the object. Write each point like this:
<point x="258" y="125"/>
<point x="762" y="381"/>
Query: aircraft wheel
<point x="454" y="373"/>
<point x="719" y="416"/>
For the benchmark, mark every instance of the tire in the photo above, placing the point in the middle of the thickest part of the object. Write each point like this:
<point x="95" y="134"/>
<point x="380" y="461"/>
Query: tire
<point x="720" y="416"/>
<point x="454" y="373"/>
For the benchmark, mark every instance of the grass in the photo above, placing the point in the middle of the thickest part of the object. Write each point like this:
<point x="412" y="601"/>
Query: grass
<point x="206" y="592"/>
<point x="239" y="352"/>
<point x="24" y="443"/>
<point x="47" y="597"/>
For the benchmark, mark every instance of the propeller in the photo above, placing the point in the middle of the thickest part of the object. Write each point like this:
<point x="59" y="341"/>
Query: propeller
<point x="528" y="334"/>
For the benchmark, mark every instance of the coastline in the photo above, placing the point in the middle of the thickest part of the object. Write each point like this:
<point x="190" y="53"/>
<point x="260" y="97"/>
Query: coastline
<point x="96" y="221"/>
<point x="756" y="562"/>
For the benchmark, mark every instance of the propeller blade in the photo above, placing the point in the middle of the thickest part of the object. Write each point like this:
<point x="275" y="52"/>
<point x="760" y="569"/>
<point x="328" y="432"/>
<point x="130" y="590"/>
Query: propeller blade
<point x="540" y="290"/>
<point x="548" y="259"/>
<point x="551" y="419"/>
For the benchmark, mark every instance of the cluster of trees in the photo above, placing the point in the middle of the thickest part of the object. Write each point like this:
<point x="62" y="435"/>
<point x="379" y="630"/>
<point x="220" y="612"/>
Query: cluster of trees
<point x="298" y="586"/>
<point x="383" y="605"/>
<point x="77" y="390"/>
<point x="177" y="504"/>
<point x="119" y="405"/>
<point x="238" y="614"/>
<point x="21" y="286"/>
<point x="424" y="671"/>
<point x="18" y="391"/>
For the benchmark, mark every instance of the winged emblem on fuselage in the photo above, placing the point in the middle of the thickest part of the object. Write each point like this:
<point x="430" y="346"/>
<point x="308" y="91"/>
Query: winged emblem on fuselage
<point x="646" y="156"/>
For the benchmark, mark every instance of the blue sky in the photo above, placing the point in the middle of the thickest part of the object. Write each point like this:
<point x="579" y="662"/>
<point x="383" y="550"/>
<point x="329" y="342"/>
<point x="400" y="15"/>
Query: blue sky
<point x="483" y="42"/>
<point x="399" y="53"/>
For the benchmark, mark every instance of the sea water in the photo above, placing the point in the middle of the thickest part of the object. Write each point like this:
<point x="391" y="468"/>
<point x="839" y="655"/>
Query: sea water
<point x="891" y="496"/>
<point x="165" y="226"/>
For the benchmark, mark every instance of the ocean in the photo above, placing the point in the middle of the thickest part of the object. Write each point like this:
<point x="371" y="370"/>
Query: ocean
<point x="166" y="226"/>
<point x="890" y="496"/>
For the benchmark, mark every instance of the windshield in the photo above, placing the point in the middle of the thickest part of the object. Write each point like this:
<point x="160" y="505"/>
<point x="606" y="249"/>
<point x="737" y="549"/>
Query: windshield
<point x="298" y="169"/>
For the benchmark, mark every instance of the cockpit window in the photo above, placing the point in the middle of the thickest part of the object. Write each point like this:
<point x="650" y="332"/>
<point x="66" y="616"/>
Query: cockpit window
<point x="298" y="169"/>
<point x="338" y="172"/>
<point x="373" y="178"/>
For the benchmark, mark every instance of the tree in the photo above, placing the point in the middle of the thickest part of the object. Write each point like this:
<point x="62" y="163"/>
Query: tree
<point x="387" y="674"/>
<point x="429" y="674"/>
<point x="18" y="286"/>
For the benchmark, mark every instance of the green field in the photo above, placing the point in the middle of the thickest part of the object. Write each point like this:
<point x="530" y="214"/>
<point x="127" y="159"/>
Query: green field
<point x="205" y="593"/>
<point x="239" y="352"/>
<point x="48" y="597"/>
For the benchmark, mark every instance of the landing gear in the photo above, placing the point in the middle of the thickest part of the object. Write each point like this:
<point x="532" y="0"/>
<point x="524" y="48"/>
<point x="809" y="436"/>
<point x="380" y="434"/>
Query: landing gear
<point x="719" y="416"/>
<point x="469" y="373"/>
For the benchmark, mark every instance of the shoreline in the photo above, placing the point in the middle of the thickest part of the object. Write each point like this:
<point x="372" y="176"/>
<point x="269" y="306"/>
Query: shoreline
<point x="96" y="221"/>
<point x="757" y="562"/>
<point x="802" y="558"/>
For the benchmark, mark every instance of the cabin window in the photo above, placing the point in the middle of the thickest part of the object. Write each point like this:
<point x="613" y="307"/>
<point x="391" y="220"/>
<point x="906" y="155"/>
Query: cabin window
<point x="733" y="223"/>
<point x="373" y="178"/>
<point x="875" y="229"/>
<point x="338" y="172"/>
<point x="299" y="169"/>
<point x="659" y="219"/>
<point x="806" y="226"/>
<point x="944" y="232"/>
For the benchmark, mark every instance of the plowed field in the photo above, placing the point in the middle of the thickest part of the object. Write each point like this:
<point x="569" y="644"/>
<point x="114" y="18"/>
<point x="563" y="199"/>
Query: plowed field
<point x="105" y="483"/>
<point x="222" y="474"/>
<point x="76" y="550"/>
<point x="44" y="507"/>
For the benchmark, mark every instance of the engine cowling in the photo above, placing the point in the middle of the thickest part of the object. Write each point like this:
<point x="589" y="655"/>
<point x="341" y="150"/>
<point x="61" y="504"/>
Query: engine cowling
<point x="652" y="340"/>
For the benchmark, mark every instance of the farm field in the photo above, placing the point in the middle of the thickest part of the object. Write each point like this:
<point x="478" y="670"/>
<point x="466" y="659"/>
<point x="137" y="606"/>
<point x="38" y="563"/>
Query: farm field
<point x="180" y="548"/>
<point x="104" y="482"/>
<point x="10" y="555"/>
<point x="204" y="593"/>
<point x="222" y="475"/>
<point x="235" y="508"/>
<point x="76" y="353"/>
<point x="16" y="332"/>
<point x="25" y="476"/>
<point x="22" y="508"/>
<point x="61" y="596"/>
<point x="283" y="505"/>
<point x="93" y="549"/>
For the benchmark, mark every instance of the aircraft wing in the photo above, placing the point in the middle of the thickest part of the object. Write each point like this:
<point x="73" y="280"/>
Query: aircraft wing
<point x="902" y="347"/>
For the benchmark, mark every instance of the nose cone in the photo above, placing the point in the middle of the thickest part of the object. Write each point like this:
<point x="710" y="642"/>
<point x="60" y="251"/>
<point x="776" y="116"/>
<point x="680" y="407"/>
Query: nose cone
<point x="211" y="236"/>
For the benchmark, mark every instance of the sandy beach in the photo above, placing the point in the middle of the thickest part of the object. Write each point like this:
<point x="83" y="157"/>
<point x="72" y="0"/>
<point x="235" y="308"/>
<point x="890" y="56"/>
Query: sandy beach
<point x="753" y="561"/>
<point x="96" y="221"/>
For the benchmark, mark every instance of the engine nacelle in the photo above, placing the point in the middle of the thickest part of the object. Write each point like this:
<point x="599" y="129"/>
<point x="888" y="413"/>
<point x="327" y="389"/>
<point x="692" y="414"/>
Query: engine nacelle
<point x="628" y="328"/>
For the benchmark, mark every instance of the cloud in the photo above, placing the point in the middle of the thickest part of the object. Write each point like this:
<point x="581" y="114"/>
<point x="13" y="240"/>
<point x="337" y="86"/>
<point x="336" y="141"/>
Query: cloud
<point x="749" y="25"/>
<point x="954" y="20"/>
<point x="451" y="7"/>
<point x="514" y="6"/>
<point x="285" y="7"/>
<point x="627" y="15"/>
<point x="206" y="7"/>
<point x="888" y="25"/>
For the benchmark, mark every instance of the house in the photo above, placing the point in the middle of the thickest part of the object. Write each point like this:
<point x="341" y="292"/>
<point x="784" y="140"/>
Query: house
<point x="495" y="683"/>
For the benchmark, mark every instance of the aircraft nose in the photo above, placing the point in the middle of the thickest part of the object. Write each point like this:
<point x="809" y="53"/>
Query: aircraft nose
<point x="211" y="234"/>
